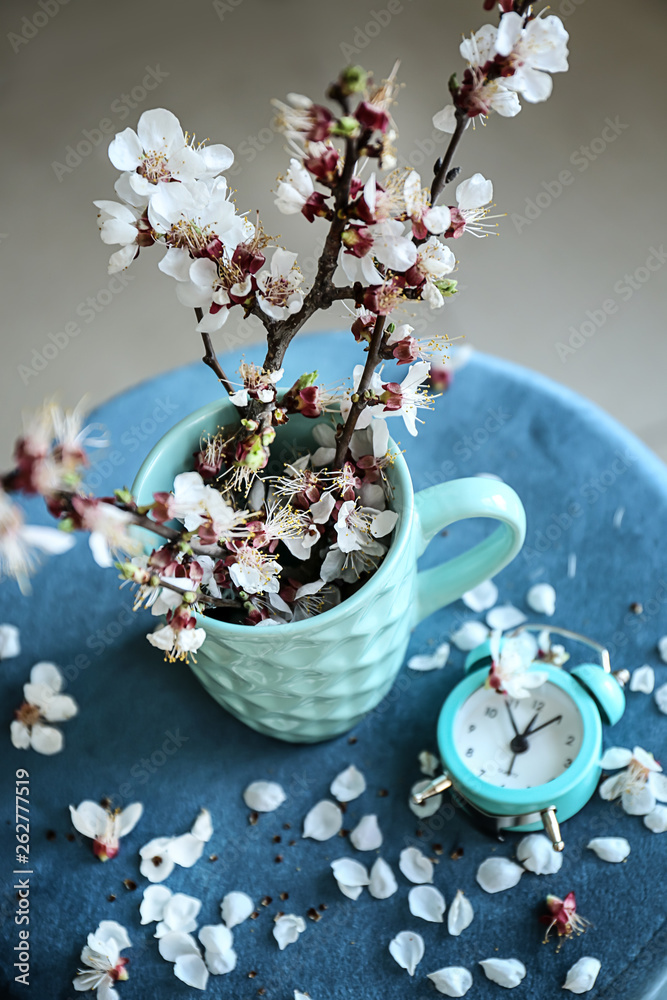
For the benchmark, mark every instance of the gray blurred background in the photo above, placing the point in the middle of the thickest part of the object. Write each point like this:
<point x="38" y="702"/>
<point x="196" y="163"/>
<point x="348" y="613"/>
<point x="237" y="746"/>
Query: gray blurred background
<point x="569" y="255"/>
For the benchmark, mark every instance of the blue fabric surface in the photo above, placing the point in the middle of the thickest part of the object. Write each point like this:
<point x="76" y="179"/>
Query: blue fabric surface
<point x="573" y="468"/>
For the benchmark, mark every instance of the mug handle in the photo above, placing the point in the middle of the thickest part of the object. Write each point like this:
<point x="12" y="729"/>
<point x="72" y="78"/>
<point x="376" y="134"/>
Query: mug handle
<point x="442" y="505"/>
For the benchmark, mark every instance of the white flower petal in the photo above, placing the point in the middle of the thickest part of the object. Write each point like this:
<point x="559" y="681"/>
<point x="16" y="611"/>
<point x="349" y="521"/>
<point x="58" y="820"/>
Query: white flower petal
<point x="111" y="931"/>
<point x="235" y="908"/>
<point x="10" y="642"/>
<point x="482" y="597"/>
<point x="192" y="971"/>
<point x="470" y="635"/>
<point x="89" y="818"/>
<point x="638" y="802"/>
<point x="581" y="977"/>
<point x="428" y="763"/>
<point x="20" y="735"/>
<point x="156" y="864"/>
<point x="46" y="739"/>
<point x="504" y="617"/>
<point x="613" y="849"/>
<point x="323" y="821"/>
<point x="662" y="648"/>
<point x="415" y="866"/>
<point x="383" y="882"/>
<point x="661" y="698"/>
<point x="153" y="903"/>
<point x="535" y="852"/>
<point x="287" y="928"/>
<point x="452" y="981"/>
<point x="216" y="937"/>
<point x="264" y="796"/>
<point x="542" y="599"/>
<point x="351" y="891"/>
<point x="186" y="850"/>
<point x="656" y="820"/>
<point x="427" y="902"/>
<point x="367" y="835"/>
<point x="429" y="807"/>
<point x="430" y="661"/>
<point x="460" y="914"/>
<point x="643" y="679"/>
<point x="176" y="943"/>
<point x="220" y="963"/>
<point x="128" y="818"/>
<point x="60" y="708"/>
<point x="407" y="950"/>
<point x="348" y="785"/>
<point x="498" y="874"/>
<point x="181" y="911"/>
<point x="615" y="757"/>
<point x="48" y="674"/>
<point x="202" y="827"/>
<point x="507" y="972"/>
<point x="350" y="872"/>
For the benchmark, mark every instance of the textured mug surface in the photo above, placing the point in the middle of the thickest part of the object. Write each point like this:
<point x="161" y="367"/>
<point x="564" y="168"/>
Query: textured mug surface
<point x="311" y="680"/>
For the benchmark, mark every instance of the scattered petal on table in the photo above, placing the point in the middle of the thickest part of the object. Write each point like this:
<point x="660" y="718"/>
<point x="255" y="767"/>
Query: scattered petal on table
<point x="460" y="915"/>
<point x="156" y="863"/>
<point x="504" y="617"/>
<point x="191" y="970"/>
<point x="427" y="902"/>
<point x="428" y="763"/>
<point x="581" y="977"/>
<point x="177" y="943"/>
<point x="348" y="785"/>
<point x="429" y="806"/>
<point x="350" y="872"/>
<point x="482" y="597"/>
<point x="235" y="908"/>
<point x="301" y="996"/>
<point x="452" y="981"/>
<point x="367" y="835"/>
<point x="287" y="928"/>
<point x="661" y="698"/>
<point x="536" y="853"/>
<point x="498" y="874"/>
<point x="407" y="949"/>
<point x="264" y="796"/>
<point x="572" y="565"/>
<point x="507" y="972"/>
<point x="656" y="820"/>
<point x="323" y="821"/>
<point x="415" y="866"/>
<point x="179" y="914"/>
<point x="662" y="648"/>
<point x="202" y="827"/>
<point x="542" y="599"/>
<point x="351" y="891"/>
<point x="186" y="850"/>
<point x="219" y="954"/>
<point x="470" y="635"/>
<point x="615" y="757"/>
<point x="383" y="882"/>
<point x="153" y="903"/>
<point x="10" y="642"/>
<point x="643" y="679"/>
<point x="612" y="849"/>
<point x="430" y="661"/>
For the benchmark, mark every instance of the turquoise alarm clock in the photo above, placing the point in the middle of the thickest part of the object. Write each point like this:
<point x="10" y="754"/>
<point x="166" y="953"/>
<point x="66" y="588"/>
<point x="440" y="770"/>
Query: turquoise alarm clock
<point x="523" y="764"/>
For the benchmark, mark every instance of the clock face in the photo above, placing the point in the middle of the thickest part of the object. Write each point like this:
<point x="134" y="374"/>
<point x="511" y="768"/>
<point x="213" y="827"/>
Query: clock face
<point x="518" y="742"/>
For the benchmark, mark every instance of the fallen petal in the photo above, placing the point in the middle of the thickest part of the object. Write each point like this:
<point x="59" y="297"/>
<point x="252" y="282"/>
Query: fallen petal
<point x="460" y="915"/>
<point x="287" y="928"/>
<point x="202" y="827"/>
<point x="427" y="902"/>
<point x="470" y="635"/>
<point x="407" y="949"/>
<point x="216" y="937"/>
<point x="350" y="872"/>
<point x="452" y="981"/>
<point x="348" y="785"/>
<point x="662" y="648"/>
<point x="264" y="796"/>
<point x="507" y="972"/>
<point x="186" y="850"/>
<point x="153" y="903"/>
<point x="482" y="597"/>
<point x="542" y="599"/>
<point x="656" y="820"/>
<point x="498" y="874"/>
<point x="535" y="852"/>
<point x="180" y="912"/>
<point x="430" y="661"/>
<point x="176" y="943"/>
<point x="661" y="698"/>
<point x="383" y="882"/>
<point x="367" y="835"/>
<point x="429" y="806"/>
<point x="504" y="617"/>
<point x="415" y="866"/>
<point x="612" y="849"/>
<point x="235" y="908"/>
<point x="351" y="891"/>
<point x="581" y="977"/>
<point x="192" y="971"/>
<point x="323" y="821"/>
<point x="10" y="642"/>
<point x="615" y="757"/>
<point x="643" y="679"/>
<point x="428" y="763"/>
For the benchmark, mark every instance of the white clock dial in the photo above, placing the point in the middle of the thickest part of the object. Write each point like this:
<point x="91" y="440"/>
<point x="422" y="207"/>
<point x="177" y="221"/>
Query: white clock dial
<point x="518" y="742"/>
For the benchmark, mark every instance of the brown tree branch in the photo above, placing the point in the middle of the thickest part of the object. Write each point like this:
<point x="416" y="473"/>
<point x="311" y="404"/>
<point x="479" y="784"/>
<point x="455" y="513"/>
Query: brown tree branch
<point x="210" y="358"/>
<point x="440" y="178"/>
<point x="214" y="602"/>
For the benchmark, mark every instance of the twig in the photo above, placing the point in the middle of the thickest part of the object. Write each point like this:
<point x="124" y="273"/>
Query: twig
<point x="360" y="403"/>
<point x="210" y="358"/>
<point x="215" y="602"/>
<point x="440" y="178"/>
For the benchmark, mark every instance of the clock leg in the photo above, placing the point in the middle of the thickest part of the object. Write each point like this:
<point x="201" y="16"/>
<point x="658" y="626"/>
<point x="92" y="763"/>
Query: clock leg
<point x="551" y="828"/>
<point x="437" y="786"/>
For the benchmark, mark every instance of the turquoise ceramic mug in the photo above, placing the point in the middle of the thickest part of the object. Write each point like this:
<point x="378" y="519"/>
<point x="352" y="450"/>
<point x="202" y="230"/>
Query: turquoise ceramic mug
<point x="314" y="679"/>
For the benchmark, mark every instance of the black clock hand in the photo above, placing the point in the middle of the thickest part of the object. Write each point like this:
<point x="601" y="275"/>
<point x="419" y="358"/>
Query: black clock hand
<point x="512" y="762"/>
<point x="514" y="726"/>
<point x="529" y="731"/>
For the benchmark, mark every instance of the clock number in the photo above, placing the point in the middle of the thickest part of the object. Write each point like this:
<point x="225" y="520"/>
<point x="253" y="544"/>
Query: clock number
<point x="469" y="752"/>
<point x="482" y="771"/>
<point x="471" y="729"/>
<point x="491" y="712"/>
<point x="567" y="762"/>
<point x="538" y="705"/>
<point x="569" y="741"/>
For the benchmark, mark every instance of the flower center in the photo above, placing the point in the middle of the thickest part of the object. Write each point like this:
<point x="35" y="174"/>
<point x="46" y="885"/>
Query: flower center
<point x="154" y="167"/>
<point x="28" y="714"/>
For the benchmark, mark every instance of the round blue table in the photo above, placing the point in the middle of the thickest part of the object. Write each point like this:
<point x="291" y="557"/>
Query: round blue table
<point x="147" y="731"/>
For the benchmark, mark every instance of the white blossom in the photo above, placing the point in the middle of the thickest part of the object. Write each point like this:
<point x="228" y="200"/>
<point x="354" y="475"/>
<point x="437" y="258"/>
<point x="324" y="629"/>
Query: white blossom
<point x="104" y="826"/>
<point x="278" y="293"/>
<point x="104" y="965"/>
<point x="44" y="703"/>
<point x="640" y="783"/>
